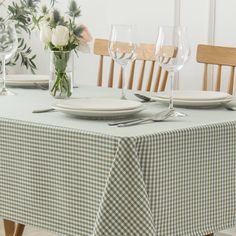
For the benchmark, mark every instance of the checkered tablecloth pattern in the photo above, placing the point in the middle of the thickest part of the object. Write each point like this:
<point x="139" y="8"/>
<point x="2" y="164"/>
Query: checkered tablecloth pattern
<point x="78" y="183"/>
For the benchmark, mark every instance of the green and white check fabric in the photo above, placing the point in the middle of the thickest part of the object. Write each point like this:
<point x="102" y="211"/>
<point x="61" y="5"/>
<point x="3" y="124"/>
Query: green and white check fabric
<point x="77" y="183"/>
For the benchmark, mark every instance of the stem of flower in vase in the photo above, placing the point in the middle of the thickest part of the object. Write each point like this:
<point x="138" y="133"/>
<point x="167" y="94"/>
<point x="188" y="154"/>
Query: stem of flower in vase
<point x="62" y="83"/>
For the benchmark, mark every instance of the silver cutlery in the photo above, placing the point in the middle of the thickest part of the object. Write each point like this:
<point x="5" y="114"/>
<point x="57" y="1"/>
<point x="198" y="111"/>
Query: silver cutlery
<point x="43" y="110"/>
<point x="123" y="122"/>
<point x="156" y="118"/>
<point x="144" y="98"/>
<point x="231" y="108"/>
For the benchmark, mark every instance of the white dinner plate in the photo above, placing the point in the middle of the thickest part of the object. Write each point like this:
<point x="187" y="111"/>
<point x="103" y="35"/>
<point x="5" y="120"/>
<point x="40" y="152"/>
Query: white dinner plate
<point x="99" y="104"/>
<point x="196" y="104"/>
<point x="98" y="114"/>
<point x="194" y="95"/>
<point x="26" y="80"/>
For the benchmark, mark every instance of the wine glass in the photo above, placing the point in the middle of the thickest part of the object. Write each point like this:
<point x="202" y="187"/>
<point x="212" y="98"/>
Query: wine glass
<point x="122" y="49"/>
<point x="172" y="52"/>
<point x="8" y="47"/>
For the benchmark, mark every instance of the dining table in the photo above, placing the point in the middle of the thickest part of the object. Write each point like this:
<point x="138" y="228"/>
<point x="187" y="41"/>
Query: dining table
<point x="81" y="177"/>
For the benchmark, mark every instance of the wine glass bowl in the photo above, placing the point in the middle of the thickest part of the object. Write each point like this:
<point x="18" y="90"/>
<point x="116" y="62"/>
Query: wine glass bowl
<point x="172" y="52"/>
<point x="122" y="53"/>
<point x="8" y="47"/>
<point x="122" y="49"/>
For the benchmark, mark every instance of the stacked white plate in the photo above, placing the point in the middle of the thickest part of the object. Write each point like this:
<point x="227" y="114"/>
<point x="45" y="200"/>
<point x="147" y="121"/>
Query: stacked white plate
<point x="98" y="107"/>
<point x="194" y="98"/>
<point x="25" y="80"/>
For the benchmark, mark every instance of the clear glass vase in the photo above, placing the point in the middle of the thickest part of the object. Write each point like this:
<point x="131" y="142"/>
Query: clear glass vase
<point x="61" y="83"/>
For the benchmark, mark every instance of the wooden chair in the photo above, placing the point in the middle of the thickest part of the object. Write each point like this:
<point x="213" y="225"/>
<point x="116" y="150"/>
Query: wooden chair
<point x="13" y="229"/>
<point x="220" y="56"/>
<point x="145" y="53"/>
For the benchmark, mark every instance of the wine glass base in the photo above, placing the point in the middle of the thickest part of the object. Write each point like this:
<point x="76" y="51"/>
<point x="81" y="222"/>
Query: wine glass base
<point x="123" y="98"/>
<point x="175" y="113"/>
<point x="6" y="92"/>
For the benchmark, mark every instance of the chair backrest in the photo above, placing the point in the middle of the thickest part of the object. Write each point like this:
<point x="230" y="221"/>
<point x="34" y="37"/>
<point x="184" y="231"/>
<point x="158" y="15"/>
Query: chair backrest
<point x="220" y="56"/>
<point x="145" y="53"/>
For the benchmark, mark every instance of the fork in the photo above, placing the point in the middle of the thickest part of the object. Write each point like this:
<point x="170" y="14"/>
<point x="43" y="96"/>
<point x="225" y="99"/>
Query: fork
<point x="43" y="110"/>
<point x="157" y="117"/>
<point x="139" y="119"/>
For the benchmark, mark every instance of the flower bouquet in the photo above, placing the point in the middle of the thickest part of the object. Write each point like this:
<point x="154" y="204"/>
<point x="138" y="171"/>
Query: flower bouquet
<point x="62" y="35"/>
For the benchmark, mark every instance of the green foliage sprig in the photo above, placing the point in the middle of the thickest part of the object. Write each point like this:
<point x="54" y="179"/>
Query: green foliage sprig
<point x="74" y="9"/>
<point x="23" y="14"/>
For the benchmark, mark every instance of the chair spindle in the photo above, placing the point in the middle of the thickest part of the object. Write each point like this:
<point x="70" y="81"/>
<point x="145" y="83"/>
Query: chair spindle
<point x="158" y="79"/>
<point x="100" y="72"/>
<point x="205" y="77"/>
<point x="131" y="77"/>
<point x="149" y="84"/>
<point x="218" y="80"/>
<point x="163" y="84"/>
<point x="140" y="83"/>
<point x="111" y="74"/>
<point x="120" y="83"/>
<point x="231" y="80"/>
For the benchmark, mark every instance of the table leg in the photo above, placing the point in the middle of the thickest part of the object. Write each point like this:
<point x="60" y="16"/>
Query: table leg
<point x="19" y="230"/>
<point x="9" y="227"/>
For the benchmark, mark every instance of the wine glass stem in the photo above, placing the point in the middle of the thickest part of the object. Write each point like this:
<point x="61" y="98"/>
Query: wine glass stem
<point x="123" y="93"/>
<point x="171" y="104"/>
<point x="4" y="73"/>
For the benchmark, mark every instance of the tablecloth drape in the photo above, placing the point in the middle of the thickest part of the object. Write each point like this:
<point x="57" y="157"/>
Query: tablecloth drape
<point x="74" y="182"/>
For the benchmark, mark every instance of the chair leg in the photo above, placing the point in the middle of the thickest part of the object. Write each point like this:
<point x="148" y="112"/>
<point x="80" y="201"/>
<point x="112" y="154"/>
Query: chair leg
<point x="19" y="230"/>
<point x="9" y="227"/>
<point x="210" y="235"/>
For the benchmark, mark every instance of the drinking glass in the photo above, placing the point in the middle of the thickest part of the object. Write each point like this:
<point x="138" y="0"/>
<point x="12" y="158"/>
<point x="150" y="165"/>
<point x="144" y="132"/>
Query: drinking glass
<point x="122" y="49"/>
<point x="8" y="47"/>
<point x="172" y="52"/>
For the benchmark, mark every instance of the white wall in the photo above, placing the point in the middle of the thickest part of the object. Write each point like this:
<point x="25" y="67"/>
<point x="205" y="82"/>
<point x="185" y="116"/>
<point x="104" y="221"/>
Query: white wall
<point x="224" y="28"/>
<point x="195" y="15"/>
<point x="98" y="16"/>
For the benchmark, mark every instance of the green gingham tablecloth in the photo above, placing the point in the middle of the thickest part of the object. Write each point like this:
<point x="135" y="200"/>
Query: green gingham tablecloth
<point x="153" y="180"/>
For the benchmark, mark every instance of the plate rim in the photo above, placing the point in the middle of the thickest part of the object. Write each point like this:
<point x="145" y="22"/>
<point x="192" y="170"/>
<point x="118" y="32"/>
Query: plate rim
<point x="196" y="103"/>
<point x="101" y="110"/>
<point x="197" y="99"/>
<point x="90" y="113"/>
<point x="13" y="80"/>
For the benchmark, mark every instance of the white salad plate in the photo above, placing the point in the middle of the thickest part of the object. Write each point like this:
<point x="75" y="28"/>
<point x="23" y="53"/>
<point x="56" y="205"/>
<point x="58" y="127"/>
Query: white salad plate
<point x="99" y="104"/>
<point x="194" y="95"/>
<point x="196" y="104"/>
<point x="98" y="108"/>
<point x="194" y="98"/>
<point x="27" y="80"/>
<point x="98" y="114"/>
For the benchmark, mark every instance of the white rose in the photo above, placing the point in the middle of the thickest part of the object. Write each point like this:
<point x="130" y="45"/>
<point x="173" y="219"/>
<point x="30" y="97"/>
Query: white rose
<point x="60" y="36"/>
<point x="45" y="33"/>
